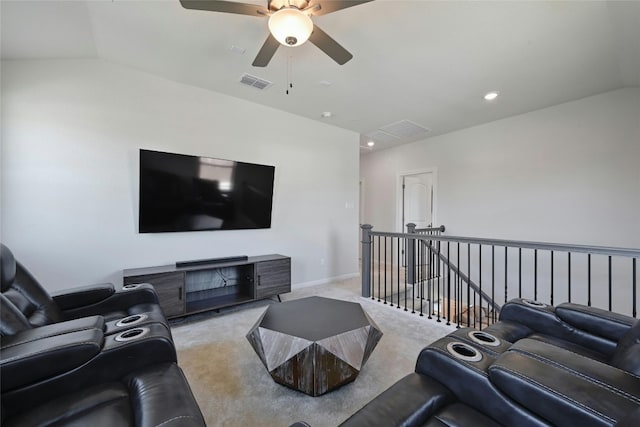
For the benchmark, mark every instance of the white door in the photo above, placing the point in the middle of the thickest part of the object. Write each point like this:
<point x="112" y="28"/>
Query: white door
<point x="417" y="200"/>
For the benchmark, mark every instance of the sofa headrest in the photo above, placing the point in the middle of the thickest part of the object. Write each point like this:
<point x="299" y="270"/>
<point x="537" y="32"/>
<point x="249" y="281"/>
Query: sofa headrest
<point x="7" y="267"/>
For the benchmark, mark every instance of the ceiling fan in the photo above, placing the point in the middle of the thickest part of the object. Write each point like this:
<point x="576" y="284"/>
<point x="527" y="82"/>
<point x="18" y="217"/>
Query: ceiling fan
<point x="289" y="23"/>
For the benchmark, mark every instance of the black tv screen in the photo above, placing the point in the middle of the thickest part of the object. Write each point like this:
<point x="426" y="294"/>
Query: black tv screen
<point x="191" y="193"/>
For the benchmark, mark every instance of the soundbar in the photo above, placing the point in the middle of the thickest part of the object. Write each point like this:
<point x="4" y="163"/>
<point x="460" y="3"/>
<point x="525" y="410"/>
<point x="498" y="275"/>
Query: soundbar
<point x="211" y="261"/>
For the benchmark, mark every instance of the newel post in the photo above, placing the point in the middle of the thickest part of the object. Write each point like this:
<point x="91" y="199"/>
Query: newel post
<point x="411" y="254"/>
<point x="366" y="259"/>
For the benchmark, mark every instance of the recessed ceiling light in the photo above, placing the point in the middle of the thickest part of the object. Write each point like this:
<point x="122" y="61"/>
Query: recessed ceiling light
<point x="490" y="96"/>
<point x="327" y="114"/>
<point x="324" y="83"/>
<point x="371" y="143"/>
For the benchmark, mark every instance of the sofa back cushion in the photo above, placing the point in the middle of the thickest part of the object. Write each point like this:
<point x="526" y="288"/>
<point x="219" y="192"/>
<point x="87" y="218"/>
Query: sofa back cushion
<point x="25" y="293"/>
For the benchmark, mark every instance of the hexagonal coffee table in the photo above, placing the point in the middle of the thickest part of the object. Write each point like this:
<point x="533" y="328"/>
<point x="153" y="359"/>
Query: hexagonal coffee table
<point x="314" y="344"/>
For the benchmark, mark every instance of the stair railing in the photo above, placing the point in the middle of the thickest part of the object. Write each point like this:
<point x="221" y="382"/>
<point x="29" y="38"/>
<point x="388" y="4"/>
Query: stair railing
<point x="463" y="279"/>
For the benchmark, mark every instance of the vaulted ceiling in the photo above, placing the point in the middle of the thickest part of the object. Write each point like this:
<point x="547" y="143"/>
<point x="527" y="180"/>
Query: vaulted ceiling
<point x="427" y="63"/>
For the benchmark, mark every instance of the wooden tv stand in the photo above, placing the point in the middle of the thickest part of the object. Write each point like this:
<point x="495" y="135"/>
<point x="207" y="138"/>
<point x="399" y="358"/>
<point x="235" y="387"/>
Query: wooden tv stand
<point x="206" y="286"/>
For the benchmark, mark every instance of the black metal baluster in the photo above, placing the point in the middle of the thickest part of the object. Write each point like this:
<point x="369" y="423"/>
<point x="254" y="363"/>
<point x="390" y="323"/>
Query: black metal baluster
<point x="416" y="279"/>
<point x="610" y="289"/>
<point x="399" y="262"/>
<point x="535" y="274"/>
<point x="469" y="287"/>
<point x="569" y="276"/>
<point x="372" y="269"/>
<point x="519" y="272"/>
<point x="406" y="251"/>
<point x="448" y="284"/>
<point x="633" y="287"/>
<point x="422" y="273"/>
<point x="480" y="281"/>
<point x="493" y="280"/>
<point x="385" y="269"/>
<point x="430" y="281"/>
<point x="589" y="280"/>
<point x="459" y="287"/>
<point x="551" y="277"/>
<point x="391" y="274"/>
<point x="506" y="291"/>
<point x="439" y="285"/>
<point x="379" y="266"/>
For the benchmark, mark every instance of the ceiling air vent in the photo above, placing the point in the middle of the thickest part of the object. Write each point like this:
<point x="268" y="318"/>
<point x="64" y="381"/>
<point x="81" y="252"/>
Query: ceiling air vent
<point x="256" y="82"/>
<point x="404" y="129"/>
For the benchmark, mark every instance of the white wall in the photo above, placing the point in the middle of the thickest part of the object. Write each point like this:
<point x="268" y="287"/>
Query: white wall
<point x="565" y="174"/>
<point x="71" y="131"/>
<point x="568" y="173"/>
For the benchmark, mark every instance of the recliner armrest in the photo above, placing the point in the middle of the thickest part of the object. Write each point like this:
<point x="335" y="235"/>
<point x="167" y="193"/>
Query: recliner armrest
<point x="121" y="300"/>
<point x="410" y="401"/>
<point x="60" y="328"/>
<point x="28" y="362"/>
<point x="599" y="322"/>
<point x="82" y="296"/>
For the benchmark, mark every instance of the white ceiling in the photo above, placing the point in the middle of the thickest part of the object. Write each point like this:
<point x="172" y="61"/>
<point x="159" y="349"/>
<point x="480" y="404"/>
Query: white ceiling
<point x="429" y="62"/>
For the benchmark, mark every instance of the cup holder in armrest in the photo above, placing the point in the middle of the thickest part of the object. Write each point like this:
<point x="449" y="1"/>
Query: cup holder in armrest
<point x="464" y="352"/>
<point x="131" y="334"/>
<point x="131" y="286"/>
<point x="532" y="303"/>
<point x="132" y="320"/>
<point x="484" y="338"/>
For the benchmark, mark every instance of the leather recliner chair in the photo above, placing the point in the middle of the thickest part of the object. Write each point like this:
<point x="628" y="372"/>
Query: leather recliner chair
<point x="91" y="357"/>
<point x="538" y="366"/>
<point x="34" y="306"/>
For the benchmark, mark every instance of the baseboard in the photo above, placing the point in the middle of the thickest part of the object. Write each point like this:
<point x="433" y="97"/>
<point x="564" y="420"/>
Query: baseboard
<point x="325" y="281"/>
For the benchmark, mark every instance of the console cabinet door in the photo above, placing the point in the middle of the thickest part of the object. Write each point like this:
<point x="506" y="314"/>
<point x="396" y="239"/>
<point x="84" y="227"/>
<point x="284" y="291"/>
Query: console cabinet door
<point x="273" y="277"/>
<point x="170" y="290"/>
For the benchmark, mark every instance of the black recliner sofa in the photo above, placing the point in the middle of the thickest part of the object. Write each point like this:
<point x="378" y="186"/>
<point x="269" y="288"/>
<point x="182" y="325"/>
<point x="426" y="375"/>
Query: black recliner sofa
<point x="94" y="357"/>
<point x="569" y="365"/>
<point x="36" y="307"/>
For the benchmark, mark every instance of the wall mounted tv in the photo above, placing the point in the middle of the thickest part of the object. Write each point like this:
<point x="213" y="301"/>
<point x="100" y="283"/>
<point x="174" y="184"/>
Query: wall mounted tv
<point x="190" y="193"/>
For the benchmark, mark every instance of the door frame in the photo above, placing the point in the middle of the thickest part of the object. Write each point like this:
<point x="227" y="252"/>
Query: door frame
<point x="401" y="228"/>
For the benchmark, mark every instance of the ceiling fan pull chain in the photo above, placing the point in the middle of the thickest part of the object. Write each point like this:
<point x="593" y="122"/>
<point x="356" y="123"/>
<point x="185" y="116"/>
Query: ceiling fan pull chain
<point x="289" y="72"/>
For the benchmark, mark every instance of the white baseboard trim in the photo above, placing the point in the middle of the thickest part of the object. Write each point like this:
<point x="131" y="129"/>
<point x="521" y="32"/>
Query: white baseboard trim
<point x="325" y="281"/>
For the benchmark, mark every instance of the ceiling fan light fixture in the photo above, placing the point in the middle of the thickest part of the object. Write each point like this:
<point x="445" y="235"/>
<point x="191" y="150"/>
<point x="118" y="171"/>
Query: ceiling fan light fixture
<point x="290" y="26"/>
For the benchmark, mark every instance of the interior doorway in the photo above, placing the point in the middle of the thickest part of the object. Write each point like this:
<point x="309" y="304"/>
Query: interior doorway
<point x="416" y="201"/>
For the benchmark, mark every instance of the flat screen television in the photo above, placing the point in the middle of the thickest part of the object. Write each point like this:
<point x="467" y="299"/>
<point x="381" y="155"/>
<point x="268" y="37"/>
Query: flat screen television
<point x="180" y="192"/>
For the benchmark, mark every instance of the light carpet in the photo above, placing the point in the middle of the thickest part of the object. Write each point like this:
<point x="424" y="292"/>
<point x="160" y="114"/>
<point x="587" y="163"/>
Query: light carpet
<point x="233" y="388"/>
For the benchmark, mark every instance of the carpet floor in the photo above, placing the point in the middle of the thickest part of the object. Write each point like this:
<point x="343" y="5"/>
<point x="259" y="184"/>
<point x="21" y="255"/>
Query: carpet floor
<point x="233" y="388"/>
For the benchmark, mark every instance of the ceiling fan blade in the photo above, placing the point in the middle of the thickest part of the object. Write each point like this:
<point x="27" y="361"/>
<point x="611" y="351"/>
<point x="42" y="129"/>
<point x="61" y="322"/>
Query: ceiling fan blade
<point x="328" y="6"/>
<point x="267" y="51"/>
<point x="225" y="6"/>
<point x="329" y="46"/>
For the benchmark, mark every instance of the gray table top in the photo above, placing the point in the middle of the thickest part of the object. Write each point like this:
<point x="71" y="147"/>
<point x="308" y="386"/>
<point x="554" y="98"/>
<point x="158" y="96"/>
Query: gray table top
<point x="314" y="318"/>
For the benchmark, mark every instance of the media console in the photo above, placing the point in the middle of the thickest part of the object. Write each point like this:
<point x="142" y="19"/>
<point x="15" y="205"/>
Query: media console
<point x="191" y="287"/>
